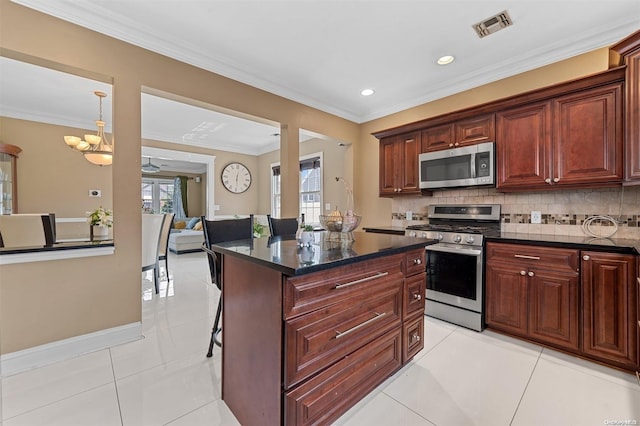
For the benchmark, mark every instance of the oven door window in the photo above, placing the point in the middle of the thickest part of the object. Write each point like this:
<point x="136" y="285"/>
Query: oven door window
<point x="453" y="274"/>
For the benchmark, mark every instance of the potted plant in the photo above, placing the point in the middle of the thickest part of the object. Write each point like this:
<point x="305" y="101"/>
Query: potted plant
<point x="306" y="236"/>
<point x="100" y="220"/>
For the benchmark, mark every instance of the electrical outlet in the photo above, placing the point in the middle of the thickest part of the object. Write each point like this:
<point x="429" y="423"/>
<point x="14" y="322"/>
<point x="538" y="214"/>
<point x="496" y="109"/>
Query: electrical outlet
<point x="536" y="217"/>
<point x="409" y="215"/>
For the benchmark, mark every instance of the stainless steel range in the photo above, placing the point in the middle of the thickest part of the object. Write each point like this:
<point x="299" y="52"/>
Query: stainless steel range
<point x="455" y="272"/>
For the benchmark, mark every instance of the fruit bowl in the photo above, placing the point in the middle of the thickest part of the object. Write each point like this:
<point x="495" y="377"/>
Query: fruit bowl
<point x="340" y="223"/>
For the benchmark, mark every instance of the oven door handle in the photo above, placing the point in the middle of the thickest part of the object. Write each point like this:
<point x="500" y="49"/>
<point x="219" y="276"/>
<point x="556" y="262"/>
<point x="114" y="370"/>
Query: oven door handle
<point x="465" y="251"/>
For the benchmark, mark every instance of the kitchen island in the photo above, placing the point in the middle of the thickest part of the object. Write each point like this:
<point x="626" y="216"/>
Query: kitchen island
<point x="309" y="331"/>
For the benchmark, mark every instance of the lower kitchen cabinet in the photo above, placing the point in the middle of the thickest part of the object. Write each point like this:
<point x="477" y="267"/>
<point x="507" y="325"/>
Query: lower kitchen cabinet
<point x="584" y="302"/>
<point x="533" y="292"/>
<point x="610" y="329"/>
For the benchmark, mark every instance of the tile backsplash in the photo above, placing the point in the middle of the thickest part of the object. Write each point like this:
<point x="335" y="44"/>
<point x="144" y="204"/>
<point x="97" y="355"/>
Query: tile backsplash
<point x="562" y="212"/>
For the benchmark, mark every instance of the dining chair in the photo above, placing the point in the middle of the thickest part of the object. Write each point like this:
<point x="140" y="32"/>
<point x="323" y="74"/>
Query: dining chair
<point x="218" y="231"/>
<point x="284" y="226"/>
<point x="163" y="248"/>
<point x="151" y="228"/>
<point x="24" y="230"/>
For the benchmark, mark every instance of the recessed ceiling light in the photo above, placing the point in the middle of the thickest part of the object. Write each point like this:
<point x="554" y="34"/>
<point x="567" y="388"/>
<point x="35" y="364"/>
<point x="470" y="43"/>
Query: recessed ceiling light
<point x="447" y="59"/>
<point x="367" y="92"/>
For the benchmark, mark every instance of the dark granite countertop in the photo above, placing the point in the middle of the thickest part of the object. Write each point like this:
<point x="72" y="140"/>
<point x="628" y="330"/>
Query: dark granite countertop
<point x="285" y="254"/>
<point x="393" y="230"/>
<point x="613" y="245"/>
<point x="58" y="246"/>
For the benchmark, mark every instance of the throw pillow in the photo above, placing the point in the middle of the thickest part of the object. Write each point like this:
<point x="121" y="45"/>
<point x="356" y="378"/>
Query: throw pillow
<point x="198" y="226"/>
<point x="192" y="222"/>
<point x="181" y="224"/>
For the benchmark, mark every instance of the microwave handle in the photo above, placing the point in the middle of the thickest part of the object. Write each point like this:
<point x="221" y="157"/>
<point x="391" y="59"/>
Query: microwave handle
<point x="473" y="165"/>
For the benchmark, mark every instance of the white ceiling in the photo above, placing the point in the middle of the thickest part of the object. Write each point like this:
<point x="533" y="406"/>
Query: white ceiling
<point x="321" y="53"/>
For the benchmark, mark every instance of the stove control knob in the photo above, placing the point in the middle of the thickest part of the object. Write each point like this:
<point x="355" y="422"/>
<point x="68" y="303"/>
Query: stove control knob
<point x="457" y="239"/>
<point x="470" y="239"/>
<point x="440" y="237"/>
<point x="412" y="233"/>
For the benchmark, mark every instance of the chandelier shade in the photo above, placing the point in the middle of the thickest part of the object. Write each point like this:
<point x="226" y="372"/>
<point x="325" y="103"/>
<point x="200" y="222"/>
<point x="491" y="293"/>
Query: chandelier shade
<point x="96" y="148"/>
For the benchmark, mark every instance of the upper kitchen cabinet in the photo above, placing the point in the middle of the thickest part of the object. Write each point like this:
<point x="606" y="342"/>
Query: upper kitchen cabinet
<point x="465" y="132"/>
<point x="629" y="48"/>
<point x="573" y="139"/>
<point x="399" y="165"/>
<point x="8" y="189"/>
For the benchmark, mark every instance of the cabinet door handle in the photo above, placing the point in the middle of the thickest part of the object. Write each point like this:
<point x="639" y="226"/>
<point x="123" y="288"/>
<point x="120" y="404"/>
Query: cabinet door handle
<point x="340" y="334"/>
<point x="361" y="280"/>
<point x="399" y="189"/>
<point x="523" y="273"/>
<point x="548" y="180"/>
<point x="531" y="274"/>
<point x="586" y="257"/>
<point x="415" y="338"/>
<point x="456" y="144"/>
<point x="450" y="145"/>
<point x="417" y="261"/>
<point x="556" y="179"/>
<point x="416" y="296"/>
<point x="523" y="256"/>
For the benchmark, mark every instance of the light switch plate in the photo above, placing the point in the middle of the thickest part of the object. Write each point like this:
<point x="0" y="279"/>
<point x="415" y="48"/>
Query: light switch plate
<point x="536" y="216"/>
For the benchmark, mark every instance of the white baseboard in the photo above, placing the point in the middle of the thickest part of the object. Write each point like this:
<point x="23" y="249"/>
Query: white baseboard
<point x="38" y="356"/>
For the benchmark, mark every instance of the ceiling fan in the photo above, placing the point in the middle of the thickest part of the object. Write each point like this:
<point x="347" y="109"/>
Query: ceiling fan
<point x="149" y="167"/>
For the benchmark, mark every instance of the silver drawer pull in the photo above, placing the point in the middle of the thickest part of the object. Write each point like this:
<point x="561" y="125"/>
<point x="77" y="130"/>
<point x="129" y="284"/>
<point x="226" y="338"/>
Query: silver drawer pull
<point x="416" y="296"/>
<point x="522" y="256"/>
<point x="352" y="329"/>
<point x="417" y="261"/>
<point x="361" y="280"/>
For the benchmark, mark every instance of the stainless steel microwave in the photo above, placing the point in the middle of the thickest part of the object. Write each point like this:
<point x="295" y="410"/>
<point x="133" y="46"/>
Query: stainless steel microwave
<point x="472" y="165"/>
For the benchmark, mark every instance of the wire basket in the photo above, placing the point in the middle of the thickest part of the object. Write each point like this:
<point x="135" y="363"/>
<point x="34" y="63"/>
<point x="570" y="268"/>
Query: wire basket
<point x="340" y="223"/>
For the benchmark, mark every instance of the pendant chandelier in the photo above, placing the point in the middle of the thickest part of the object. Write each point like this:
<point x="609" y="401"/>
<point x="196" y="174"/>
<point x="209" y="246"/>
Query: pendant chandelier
<point x="96" y="148"/>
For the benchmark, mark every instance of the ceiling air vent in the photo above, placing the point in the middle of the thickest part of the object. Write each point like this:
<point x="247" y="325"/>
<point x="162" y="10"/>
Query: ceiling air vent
<point x="493" y="24"/>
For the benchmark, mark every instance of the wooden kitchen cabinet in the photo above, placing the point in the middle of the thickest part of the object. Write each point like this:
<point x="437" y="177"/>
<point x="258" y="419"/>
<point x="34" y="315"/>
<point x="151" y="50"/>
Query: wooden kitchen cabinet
<point x="469" y="131"/>
<point x="346" y="330"/>
<point x="609" y="303"/>
<point x="399" y="165"/>
<point x="629" y="48"/>
<point x="573" y="140"/>
<point x="533" y="292"/>
<point x="523" y="146"/>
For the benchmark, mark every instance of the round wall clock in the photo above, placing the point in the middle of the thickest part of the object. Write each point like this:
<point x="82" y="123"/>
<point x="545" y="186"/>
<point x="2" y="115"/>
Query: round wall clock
<point x="236" y="177"/>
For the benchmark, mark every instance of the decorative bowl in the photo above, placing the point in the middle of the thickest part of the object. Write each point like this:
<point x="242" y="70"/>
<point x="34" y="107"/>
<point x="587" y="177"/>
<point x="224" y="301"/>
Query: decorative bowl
<point x="340" y="223"/>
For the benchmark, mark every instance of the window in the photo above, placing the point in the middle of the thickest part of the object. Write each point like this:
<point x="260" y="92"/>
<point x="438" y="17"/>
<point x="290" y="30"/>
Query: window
<point x="157" y="195"/>
<point x="310" y="188"/>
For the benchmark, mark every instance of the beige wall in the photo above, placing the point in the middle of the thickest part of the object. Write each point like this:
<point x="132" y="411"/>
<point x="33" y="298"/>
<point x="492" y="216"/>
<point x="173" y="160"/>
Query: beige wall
<point x="334" y="164"/>
<point x="378" y="210"/>
<point x="47" y="168"/>
<point x="48" y="301"/>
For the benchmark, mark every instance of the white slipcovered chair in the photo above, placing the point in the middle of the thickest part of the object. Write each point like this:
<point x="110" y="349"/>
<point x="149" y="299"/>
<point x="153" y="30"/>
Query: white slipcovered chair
<point x="25" y="230"/>
<point x="151" y="228"/>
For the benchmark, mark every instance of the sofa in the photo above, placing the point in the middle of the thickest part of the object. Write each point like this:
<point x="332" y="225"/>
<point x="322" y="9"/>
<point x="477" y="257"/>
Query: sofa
<point x="186" y="236"/>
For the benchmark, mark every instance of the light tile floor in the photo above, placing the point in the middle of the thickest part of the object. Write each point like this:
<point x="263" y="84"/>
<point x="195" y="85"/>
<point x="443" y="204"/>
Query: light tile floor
<point x="460" y="378"/>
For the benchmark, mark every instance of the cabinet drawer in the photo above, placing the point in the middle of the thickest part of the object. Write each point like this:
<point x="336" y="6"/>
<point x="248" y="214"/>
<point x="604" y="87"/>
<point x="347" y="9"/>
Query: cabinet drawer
<point x="532" y="256"/>
<point x="412" y="337"/>
<point x="314" y="291"/>
<point x="415" y="262"/>
<point x="322" y="337"/>
<point x="331" y="393"/>
<point x="414" y="289"/>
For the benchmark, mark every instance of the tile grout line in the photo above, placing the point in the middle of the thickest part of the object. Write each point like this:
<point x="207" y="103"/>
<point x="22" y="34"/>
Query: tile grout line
<point x="526" y="387"/>
<point x="115" y="385"/>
